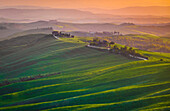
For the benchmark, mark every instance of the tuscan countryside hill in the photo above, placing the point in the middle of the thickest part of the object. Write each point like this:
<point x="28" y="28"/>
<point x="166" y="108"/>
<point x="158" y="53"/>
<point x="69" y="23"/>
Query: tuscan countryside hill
<point x="84" y="55"/>
<point x="71" y="76"/>
<point x="146" y="37"/>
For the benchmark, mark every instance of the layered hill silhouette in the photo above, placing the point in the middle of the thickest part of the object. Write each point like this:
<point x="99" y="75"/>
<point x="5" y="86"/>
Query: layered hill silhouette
<point x="148" y="10"/>
<point x="152" y="14"/>
<point x="44" y="13"/>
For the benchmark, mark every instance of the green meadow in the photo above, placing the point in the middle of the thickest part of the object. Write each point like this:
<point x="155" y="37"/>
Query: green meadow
<point x="89" y="79"/>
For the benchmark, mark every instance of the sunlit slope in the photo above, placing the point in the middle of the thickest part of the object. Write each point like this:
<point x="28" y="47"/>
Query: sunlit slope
<point x="90" y="80"/>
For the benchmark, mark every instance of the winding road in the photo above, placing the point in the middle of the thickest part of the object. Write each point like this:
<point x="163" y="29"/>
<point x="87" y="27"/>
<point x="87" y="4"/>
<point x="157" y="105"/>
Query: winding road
<point x="56" y="37"/>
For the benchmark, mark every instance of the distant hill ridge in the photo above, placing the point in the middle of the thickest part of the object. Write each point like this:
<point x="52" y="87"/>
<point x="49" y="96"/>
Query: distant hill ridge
<point x="138" y="10"/>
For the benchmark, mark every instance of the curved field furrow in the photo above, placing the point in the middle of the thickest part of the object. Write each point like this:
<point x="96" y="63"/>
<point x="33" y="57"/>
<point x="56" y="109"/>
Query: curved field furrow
<point x="89" y="80"/>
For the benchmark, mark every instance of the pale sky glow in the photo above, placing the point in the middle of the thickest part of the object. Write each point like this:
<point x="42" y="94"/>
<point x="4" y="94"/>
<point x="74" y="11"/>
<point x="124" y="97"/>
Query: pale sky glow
<point x="104" y="4"/>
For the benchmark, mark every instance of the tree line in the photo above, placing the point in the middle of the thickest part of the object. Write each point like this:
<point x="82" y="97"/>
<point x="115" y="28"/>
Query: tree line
<point x="28" y="78"/>
<point x="125" y="51"/>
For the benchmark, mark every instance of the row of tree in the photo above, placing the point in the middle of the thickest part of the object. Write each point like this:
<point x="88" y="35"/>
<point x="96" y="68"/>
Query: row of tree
<point x="28" y="78"/>
<point x="125" y="51"/>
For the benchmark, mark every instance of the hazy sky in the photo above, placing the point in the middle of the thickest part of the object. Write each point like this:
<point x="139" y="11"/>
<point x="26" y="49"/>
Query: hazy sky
<point x="105" y="4"/>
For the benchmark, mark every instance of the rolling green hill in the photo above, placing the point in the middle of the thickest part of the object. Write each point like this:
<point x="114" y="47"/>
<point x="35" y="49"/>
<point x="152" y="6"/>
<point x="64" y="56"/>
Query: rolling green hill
<point x="87" y="79"/>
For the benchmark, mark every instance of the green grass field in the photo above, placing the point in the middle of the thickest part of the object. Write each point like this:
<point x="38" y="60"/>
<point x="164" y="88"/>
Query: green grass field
<point x="90" y="79"/>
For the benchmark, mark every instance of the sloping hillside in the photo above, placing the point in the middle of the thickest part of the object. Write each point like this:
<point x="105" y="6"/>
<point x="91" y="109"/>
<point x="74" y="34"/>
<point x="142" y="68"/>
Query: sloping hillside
<point x="31" y="31"/>
<point x="87" y="79"/>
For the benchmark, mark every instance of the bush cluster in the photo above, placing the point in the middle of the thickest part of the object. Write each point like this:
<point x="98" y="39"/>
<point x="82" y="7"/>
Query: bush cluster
<point x="62" y="34"/>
